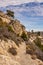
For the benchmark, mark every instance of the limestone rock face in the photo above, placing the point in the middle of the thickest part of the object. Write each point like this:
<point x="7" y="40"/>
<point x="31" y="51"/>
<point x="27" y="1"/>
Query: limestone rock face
<point x="21" y="58"/>
<point x="5" y="56"/>
<point x="4" y="17"/>
<point x="11" y="42"/>
<point x="5" y="60"/>
<point x="5" y="45"/>
<point x="17" y="26"/>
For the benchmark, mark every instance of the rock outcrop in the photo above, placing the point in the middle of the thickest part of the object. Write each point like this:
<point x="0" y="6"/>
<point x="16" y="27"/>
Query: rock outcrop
<point x="5" y="60"/>
<point x="12" y="45"/>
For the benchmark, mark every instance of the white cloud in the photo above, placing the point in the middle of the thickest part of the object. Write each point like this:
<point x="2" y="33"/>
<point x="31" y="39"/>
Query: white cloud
<point x="14" y="2"/>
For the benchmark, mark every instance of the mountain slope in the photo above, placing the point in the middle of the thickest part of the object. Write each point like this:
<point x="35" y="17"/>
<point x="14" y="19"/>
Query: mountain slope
<point x="13" y="42"/>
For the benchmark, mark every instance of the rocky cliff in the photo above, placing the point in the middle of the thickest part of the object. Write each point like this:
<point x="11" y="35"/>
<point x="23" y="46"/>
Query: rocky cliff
<point x="13" y="45"/>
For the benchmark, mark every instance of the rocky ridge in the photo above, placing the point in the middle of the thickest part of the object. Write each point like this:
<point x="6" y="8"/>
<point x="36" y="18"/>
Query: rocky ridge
<point x="12" y="45"/>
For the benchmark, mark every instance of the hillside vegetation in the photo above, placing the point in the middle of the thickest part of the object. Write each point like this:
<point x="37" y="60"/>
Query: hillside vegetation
<point x="16" y="47"/>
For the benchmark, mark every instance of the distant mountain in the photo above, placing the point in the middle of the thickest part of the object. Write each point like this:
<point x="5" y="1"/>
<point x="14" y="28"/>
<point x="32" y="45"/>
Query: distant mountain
<point x="26" y="9"/>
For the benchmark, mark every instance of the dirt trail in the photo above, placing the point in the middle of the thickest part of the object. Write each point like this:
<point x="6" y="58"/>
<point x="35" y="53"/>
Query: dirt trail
<point x="23" y="58"/>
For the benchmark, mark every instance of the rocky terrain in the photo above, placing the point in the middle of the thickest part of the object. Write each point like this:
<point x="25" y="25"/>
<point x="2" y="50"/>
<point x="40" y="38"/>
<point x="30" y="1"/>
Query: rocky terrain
<point x="16" y="48"/>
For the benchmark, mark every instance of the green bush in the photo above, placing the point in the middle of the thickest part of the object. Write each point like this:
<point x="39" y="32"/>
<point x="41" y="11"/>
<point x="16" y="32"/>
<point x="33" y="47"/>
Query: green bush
<point x="10" y="29"/>
<point x="38" y="43"/>
<point x="41" y="47"/>
<point x="38" y="33"/>
<point x="24" y="36"/>
<point x="28" y="50"/>
<point x="10" y="13"/>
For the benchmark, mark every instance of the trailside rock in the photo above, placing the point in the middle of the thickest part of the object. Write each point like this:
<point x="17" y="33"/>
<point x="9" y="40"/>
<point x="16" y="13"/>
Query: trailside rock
<point x="5" y="60"/>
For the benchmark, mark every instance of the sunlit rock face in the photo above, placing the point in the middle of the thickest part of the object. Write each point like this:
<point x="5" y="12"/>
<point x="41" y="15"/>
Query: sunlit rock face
<point x="4" y="17"/>
<point x="5" y="60"/>
<point x="17" y="27"/>
<point x="13" y="46"/>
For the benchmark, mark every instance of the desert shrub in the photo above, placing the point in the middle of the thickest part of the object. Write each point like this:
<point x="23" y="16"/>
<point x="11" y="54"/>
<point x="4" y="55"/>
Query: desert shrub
<point x="10" y="28"/>
<point x="10" y="13"/>
<point x="12" y="51"/>
<point x="24" y="36"/>
<point x="38" y="43"/>
<point x="29" y="50"/>
<point x="41" y="47"/>
<point x="38" y="33"/>
<point x="32" y="31"/>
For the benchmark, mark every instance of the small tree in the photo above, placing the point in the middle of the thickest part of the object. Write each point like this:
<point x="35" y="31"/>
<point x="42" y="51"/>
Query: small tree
<point x="38" y="41"/>
<point x="24" y="36"/>
<point x="32" y="31"/>
<point x="10" y="28"/>
<point x="10" y="13"/>
<point x="38" y="33"/>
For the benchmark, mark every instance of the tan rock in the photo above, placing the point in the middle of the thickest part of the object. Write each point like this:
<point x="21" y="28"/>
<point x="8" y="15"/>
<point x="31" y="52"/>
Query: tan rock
<point x="5" y="60"/>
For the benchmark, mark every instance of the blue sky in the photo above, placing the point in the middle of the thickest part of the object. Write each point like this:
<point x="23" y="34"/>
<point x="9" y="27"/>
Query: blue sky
<point x="35" y="23"/>
<point x="32" y="23"/>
